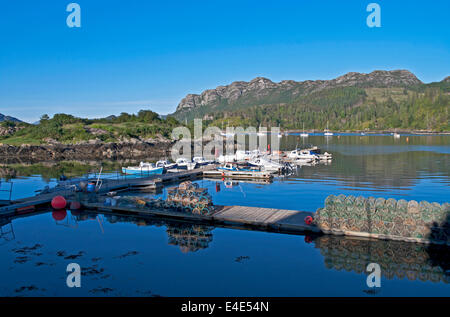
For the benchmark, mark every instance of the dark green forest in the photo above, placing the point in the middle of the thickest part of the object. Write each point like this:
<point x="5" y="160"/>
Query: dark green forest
<point x="351" y="108"/>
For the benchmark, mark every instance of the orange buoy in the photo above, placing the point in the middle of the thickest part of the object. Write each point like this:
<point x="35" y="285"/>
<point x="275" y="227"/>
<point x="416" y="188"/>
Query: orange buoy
<point x="59" y="202"/>
<point x="308" y="220"/>
<point x="59" y="215"/>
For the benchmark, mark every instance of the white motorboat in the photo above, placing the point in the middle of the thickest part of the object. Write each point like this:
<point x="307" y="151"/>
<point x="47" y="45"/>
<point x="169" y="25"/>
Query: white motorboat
<point x="226" y="158"/>
<point x="143" y="169"/>
<point x="320" y="156"/>
<point x="183" y="163"/>
<point x="302" y="155"/>
<point x="200" y="160"/>
<point x="266" y="164"/>
<point x="242" y="155"/>
<point x="166" y="164"/>
<point x="396" y="136"/>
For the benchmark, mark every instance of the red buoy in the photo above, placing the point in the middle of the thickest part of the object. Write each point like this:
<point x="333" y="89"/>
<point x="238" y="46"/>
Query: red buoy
<point x="308" y="220"/>
<point x="75" y="205"/>
<point x="59" y="215"/>
<point x="59" y="202"/>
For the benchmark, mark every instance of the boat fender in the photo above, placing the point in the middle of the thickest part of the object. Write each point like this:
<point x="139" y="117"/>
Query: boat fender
<point x="308" y="220"/>
<point x="59" y="202"/>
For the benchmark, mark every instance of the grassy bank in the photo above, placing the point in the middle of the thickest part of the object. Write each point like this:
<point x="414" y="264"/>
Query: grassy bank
<point x="68" y="129"/>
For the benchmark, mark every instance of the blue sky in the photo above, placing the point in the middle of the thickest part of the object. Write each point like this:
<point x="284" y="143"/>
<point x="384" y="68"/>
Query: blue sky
<point x="131" y="55"/>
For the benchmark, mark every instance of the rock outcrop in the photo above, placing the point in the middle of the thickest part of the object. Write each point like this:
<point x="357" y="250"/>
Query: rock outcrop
<point x="262" y="90"/>
<point x="86" y="151"/>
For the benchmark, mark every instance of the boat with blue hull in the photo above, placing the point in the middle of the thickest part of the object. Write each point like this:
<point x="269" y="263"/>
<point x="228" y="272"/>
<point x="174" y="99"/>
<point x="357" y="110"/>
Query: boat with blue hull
<point x="143" y="169"/>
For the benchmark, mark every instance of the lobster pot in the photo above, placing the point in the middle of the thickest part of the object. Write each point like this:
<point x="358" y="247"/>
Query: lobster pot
<point x="188" y="197"/>
<point x="388" y="217"/>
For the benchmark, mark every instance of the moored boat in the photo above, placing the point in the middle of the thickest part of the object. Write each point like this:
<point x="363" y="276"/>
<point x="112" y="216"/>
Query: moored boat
<point x="183" y="163"/>
<point x="143" y="169"/>
<point x="166" y="164"/>
<point x="201" y="161"/>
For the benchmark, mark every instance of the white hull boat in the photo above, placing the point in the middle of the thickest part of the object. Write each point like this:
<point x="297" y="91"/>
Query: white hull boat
<point x="143" y="169"/>
<point x="183" y="163"/>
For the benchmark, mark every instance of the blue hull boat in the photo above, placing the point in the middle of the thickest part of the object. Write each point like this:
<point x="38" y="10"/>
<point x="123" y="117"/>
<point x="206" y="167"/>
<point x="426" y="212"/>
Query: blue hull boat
<point x="142" y="170"/>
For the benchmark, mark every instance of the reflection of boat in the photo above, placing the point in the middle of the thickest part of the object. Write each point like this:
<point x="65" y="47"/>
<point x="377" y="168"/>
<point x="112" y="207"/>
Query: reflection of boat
<point x="143" y="168"/>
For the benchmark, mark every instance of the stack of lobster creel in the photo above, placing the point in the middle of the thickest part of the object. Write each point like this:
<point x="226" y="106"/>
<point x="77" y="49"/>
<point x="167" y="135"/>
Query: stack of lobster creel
<point x="189" y="197"/>
<point x="386" y="218"/>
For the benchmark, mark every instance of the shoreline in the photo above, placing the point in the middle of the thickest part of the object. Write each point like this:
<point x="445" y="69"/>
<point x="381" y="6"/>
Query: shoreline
<point x="84" y="151"/>
<point x="415" y="132"/>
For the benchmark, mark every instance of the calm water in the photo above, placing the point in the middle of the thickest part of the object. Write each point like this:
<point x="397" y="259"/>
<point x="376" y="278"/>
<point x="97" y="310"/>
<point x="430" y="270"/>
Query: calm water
<point x="131" y="256"/>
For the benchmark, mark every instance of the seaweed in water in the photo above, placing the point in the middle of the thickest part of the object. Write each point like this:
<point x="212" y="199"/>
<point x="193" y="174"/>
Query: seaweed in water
<point x="28" y="250"/>
<point x="74" y="256"/>
<point x="22" y="259"/>
<point x="126" y="254"/>
<point x="92" y="271"/>
<point x="26" y="288"/>
<point x="240" y="259"/>
<point x="101" y="290"/>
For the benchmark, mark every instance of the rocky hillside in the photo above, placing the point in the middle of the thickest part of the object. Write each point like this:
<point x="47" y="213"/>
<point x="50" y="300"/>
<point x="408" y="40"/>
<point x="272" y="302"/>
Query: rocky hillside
<point x="8" y="118"/>
<point x="262" y="91"/>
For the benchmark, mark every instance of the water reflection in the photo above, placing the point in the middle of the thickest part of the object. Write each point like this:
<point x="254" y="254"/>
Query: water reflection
<point x="189" y="237"/>
<point x="397" y="259"/>
<point x="382" y="171"/>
